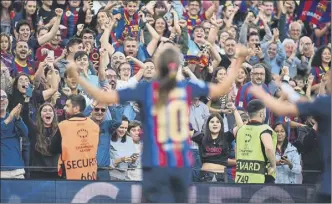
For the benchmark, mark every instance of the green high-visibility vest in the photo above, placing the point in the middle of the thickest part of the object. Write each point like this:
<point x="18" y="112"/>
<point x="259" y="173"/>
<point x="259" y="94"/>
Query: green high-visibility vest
<point x="251" y="162"/>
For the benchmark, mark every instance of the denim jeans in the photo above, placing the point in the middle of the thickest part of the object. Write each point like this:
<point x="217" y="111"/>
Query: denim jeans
<point x="197" y="165"/>
<point x="103" y="175"/>
<point x="207" y="176"/>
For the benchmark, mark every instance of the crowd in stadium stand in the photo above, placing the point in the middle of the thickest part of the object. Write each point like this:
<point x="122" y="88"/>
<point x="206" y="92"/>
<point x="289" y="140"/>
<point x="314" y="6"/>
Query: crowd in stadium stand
<point x="113" y="43"/>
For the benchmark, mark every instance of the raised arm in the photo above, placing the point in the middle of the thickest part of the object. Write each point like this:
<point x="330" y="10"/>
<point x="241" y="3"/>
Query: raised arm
<point x="309" y="86"/>
<point x="39" y="73"/>
<point x="213" y="33"/>
<point x="320" y="32"/>
<point x="273" y="104"/>
<point x="221" y="89"/>
<point x="229" y="22"/>
<point x="152" y="45"/>
<point x="212" y="9"/>
<point x="105" y="36"/>
<point x="215" y="55"/>
<point x="50" y="35"/>
<point x="176" y="22"/>
<point x="110" y="97"/>
<point x="103" y="62"/>
<point x="48" y="93"/>
<point x="138" y="76"/>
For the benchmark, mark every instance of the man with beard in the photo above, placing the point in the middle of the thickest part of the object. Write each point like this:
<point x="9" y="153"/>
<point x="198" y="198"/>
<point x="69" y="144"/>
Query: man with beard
<point x="130" y="47"/>
<point x="274" y="53"/>
<point x="320" y="109"/>
<point x="107" y="127"/>
<point x="257" y="78"/>
<point x="12" y="128"/>
<point x="21" y="62"/>
<point x="229" y="52"/>
<point x="150" y="70"/>
<point x="117" y="59"/>
<point x="77" y="141"/>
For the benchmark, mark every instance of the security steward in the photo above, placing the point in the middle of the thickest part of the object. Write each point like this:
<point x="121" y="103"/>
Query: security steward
<point x="255" y="148"/>
<point x="77" y="141"/>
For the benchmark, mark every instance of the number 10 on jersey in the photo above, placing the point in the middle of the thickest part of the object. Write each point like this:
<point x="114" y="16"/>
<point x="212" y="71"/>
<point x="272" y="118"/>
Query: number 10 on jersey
<point x="172" y="122"/>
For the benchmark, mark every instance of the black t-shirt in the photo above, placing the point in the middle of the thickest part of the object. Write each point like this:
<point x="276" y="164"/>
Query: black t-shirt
<point x="59" y="106"/>
<point x="46" y="16"/>
<point x="214" y="151"/>
<point x="225" y="61"/>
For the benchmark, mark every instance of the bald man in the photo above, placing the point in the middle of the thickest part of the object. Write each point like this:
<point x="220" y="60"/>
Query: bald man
<point x="295" y="31"/>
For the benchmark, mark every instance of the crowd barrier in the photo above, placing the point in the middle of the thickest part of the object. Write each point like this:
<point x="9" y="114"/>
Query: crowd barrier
<point x="60" y="191"/>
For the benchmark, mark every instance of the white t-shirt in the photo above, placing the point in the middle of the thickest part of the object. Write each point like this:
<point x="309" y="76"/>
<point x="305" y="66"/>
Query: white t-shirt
<point x="120" y="84"/>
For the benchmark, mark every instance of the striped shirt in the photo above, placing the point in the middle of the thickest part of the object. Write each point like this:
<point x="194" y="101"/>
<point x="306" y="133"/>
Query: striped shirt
<point x="166" y="128"/>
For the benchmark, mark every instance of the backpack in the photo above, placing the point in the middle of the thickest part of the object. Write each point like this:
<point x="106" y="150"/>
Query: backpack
<point x="306" y="139"/>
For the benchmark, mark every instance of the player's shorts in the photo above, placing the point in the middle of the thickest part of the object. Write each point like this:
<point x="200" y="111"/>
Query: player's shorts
<point x="166" y="185"/>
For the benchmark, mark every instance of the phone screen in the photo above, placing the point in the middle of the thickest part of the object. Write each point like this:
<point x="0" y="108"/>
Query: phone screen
<point x="29" y="91"/>
<point x="50" y="54"/>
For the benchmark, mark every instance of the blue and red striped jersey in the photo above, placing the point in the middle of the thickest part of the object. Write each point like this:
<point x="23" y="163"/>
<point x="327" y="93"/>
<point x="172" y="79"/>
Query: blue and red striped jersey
<point x="244" y="97"/>
<point x="318" y="73"/>
<point x="166" y="128"/>
<point x="70" y="19"/>
<point x="28" y="68"/>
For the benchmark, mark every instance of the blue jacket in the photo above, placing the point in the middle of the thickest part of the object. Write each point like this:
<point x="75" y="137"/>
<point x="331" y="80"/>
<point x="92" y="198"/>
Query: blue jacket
<point x="11" y="157"/>
<point x="285" y="175"/>
<point x="107" y="127"/>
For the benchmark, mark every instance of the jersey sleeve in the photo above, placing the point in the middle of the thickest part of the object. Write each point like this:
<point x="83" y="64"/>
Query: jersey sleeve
<point x="199" y="88"/>
<point x="137" y="93"/>
<point x="319" y="107"/>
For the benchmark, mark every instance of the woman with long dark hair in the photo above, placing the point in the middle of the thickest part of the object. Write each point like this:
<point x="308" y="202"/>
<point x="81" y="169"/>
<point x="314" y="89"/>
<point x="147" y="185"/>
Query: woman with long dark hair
<point x="288" y="159"/>
<point x="214" y="149"/>
<point x="123" y="154"/>
<point x="321" y="63"/>
<point x="43" y="163"/>
<point x="29" y="13"/>
<point x="24" y="93"/>
<point x="165" y="104"/>
<point x="7" y="13"/>
<point x="218" y="105"/>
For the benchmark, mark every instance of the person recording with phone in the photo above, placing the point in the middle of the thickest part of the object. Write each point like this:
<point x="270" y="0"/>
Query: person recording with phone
<point x="123" y="155"/>
<point x="287" y="158"/>
<point x="97" y="112"/>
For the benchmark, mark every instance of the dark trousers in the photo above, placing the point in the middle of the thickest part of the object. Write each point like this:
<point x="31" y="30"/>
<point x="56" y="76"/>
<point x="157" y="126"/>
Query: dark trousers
<point x="197" y="165"/>
<point x="165" y="185"/>
<point x="26" y="155"/>
<point x="44" y="175"/>
<point x="322" y="198"/>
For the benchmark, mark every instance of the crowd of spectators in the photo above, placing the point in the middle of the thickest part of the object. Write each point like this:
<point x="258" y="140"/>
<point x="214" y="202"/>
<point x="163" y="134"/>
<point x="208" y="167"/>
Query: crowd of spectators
<point x="113" y="43"/>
